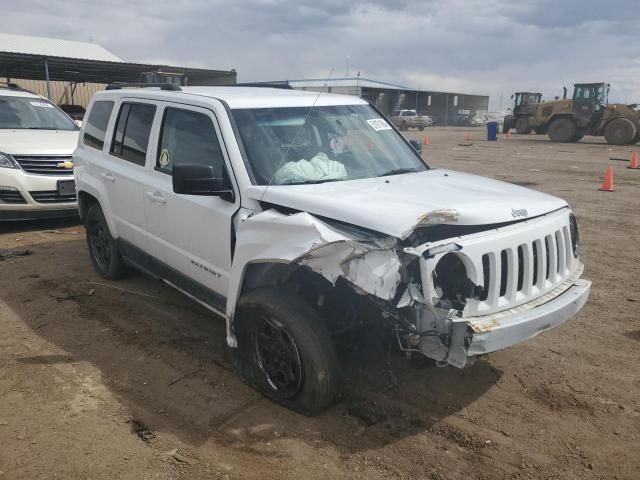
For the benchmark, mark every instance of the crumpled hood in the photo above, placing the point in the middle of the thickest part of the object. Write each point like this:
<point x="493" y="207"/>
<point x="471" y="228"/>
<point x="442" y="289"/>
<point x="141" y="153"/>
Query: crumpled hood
<point x="38" y="142"/>
<point x="396" y="205"/>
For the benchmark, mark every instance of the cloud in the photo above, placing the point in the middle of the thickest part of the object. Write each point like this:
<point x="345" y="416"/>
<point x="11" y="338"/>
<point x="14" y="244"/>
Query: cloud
<point x="478" y="46"/>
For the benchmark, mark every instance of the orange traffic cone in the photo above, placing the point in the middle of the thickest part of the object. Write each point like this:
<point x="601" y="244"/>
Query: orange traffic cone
<point x="634" y="160"/>
<point x="425" y="140"/>
<point x="468" y="136"/>
<point x="607" y="184"/>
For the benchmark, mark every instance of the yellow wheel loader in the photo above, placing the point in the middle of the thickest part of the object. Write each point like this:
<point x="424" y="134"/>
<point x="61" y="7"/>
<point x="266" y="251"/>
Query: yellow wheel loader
<point x="587" y="113"/>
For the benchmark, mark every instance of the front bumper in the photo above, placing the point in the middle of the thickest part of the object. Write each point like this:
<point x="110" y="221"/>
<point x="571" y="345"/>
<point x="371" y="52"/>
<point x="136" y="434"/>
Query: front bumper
<point x="496" y="332"/>
<point x="24" y="196"/>
<point x="473" y="336"/>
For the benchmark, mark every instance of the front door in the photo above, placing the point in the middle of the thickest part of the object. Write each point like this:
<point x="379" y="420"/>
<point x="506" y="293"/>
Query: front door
<point x="190" y="236"/>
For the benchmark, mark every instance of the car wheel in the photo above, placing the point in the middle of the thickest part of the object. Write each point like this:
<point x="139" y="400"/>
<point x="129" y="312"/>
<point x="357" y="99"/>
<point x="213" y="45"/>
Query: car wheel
<point x="620" y="131"/>
<point x="421" y="129"/>
<point x="286" y="352"/>
<point x="562" y="130"/>
<point x="403" y="126"/>
<point x="104" y="253"/>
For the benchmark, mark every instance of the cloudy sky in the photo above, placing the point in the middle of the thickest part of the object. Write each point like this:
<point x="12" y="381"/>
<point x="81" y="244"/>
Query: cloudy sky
<point x="491" y="47"/>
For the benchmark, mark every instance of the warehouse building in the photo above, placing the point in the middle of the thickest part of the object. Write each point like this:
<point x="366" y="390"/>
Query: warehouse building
<point x="70" y="72"/>
<point x="446" y="108"/>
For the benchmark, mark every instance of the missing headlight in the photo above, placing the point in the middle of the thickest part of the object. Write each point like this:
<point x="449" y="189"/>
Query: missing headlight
<point x="452" y="284"/>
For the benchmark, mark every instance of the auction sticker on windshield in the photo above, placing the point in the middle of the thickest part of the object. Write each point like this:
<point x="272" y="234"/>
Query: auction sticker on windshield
<point x="378" y="124"/>
<point x="41" y="104"/>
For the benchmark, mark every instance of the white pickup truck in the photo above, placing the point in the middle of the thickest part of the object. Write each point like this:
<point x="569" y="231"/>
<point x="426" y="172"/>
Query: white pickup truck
<point x="303" y="219"/>
<point x="406" y="119"/>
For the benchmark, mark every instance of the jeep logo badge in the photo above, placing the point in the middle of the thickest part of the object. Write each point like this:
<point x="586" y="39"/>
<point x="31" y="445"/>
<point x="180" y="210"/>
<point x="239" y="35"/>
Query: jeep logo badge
<point x="521" y="212"/>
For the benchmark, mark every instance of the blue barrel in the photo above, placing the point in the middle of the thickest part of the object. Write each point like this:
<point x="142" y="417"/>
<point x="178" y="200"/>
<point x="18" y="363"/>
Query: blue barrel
<point x="492" y="131"/>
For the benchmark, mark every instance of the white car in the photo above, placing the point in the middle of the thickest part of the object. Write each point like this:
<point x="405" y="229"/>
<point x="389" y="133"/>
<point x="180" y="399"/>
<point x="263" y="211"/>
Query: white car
<point x="37" y="140"/>
<point x="307" y="220"/>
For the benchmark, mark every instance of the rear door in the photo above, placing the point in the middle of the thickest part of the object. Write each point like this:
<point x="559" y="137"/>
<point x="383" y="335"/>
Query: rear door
<point x="190" y="236"/>
<point x="124" y="171"/>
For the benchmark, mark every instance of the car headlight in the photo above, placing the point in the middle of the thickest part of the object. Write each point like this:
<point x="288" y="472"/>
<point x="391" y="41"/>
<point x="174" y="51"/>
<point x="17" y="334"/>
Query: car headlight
<point x="6" y="161"/>
<point x="575" y="235"/>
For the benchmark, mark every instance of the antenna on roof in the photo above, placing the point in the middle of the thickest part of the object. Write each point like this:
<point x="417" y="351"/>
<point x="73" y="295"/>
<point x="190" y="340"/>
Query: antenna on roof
<point x="295" y="137"/>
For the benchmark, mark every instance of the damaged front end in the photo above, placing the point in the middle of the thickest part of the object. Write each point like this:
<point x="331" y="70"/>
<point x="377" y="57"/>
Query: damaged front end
<point x="451" y="292"/>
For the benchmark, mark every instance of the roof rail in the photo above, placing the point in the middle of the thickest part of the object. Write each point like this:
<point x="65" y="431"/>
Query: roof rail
<point x="161" y="86"/>
<point x="282" y="85"/>
<point x="15" y="86"/>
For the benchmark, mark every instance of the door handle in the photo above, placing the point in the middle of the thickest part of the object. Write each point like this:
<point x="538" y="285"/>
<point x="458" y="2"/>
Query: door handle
<point x="108" y="177"/>
<point x="156" y="197"/>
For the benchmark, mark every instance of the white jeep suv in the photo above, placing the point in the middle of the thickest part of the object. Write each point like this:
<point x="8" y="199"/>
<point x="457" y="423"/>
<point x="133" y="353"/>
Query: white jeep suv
<point x="304" y="219"/>
<point x="37" y="140"/>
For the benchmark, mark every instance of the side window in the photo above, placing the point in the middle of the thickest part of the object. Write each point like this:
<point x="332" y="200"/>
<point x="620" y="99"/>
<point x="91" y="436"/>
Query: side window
<point x="95" y="128"/>
<point x="131" y="138"/>
<point x="188" y="137"/>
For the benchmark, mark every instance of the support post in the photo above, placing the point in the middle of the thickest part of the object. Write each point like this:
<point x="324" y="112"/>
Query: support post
<point x="46" y="75"/>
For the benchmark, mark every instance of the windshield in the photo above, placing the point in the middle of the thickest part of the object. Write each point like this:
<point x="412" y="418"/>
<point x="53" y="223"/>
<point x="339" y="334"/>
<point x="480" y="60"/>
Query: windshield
<point x="299" y="145"/>
<point x="32" y="113"/>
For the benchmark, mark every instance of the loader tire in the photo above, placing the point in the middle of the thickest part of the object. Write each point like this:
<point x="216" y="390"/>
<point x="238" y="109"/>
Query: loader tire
<point x="620" y="131"/>
<point x="522" y="126"/>
<point x="562" y="130"/>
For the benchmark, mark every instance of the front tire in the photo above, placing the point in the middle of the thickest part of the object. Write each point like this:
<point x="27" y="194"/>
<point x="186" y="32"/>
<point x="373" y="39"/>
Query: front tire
<point x="562" y="130"/>
<point x="522" y="126"/>
<point x="286" y="352"/>
<point x="620" y="131"/>
<point x="104" y="253"/>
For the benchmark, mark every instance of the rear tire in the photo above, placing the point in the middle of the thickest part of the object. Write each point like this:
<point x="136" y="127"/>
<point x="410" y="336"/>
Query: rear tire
<point x="562" y="130"/>
<point x="522" y="126"/>
<point x="636" y="139"/>
<point x="104" y="253"/>
<point x="286" y="351"/>
<point x="404" y="127"/>
<point x="620" y="131"/>
<point x="421" y="129"/>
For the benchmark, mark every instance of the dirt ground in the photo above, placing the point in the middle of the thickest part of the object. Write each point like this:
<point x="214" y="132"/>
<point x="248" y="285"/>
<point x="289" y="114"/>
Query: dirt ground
<point x="131" y="380"/>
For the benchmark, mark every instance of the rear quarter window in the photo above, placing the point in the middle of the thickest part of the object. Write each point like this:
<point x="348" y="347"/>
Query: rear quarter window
<point x="95" y="128"/>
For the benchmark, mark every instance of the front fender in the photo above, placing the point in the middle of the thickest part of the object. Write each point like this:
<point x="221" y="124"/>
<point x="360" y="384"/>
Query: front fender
<point x="370" y="264"/>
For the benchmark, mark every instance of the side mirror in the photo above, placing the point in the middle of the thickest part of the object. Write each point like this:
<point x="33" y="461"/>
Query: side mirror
<point x="197" y="179"/>
<point x="416" y="146"/>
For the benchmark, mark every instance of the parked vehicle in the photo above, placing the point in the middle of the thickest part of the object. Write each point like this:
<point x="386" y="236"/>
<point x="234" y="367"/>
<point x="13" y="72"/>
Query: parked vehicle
<point x="406" y="119"/>
<point x="36" y="168"/>
<point x="306" y="220"/>
<point x="524" y="106"/>
<point x="76" y="112"/>
<point x="587" y="113"/>
<point x="478" y="121"/>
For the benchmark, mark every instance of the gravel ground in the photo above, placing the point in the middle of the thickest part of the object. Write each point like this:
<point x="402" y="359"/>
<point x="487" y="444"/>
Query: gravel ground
<point x="132" y="380"/>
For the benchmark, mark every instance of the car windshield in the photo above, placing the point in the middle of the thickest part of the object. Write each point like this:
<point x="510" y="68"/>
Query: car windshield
<point x="32" y="113"/>
<point x="299" y="145"/>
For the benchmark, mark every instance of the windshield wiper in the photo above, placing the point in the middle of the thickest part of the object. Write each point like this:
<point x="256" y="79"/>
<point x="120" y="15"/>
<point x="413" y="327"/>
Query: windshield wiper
<point x="398" y="171"/>
<point x="312" y="182"/>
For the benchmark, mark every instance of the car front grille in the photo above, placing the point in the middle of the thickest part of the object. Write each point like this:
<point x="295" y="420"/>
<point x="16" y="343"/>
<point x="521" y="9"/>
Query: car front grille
<point x="11" y="196"/>
<point x="529" y="268"/>
<point x="513" y="265"/>
<point x="52" y="196"/>
<point x="45" y="165"/>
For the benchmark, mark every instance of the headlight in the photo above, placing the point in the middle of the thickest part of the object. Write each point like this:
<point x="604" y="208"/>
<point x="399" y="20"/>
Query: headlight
<point x="6" y="161"/>
<point x="575" y="236"/>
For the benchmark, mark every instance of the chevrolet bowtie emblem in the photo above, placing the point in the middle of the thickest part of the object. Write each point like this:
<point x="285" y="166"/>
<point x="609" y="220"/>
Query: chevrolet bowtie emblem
<point x="67" y="164"/>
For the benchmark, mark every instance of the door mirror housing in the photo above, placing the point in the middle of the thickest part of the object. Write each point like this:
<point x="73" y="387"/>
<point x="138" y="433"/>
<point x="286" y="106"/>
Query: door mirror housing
<point x="416" y="146"/>
<point x="198" y="179"/>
